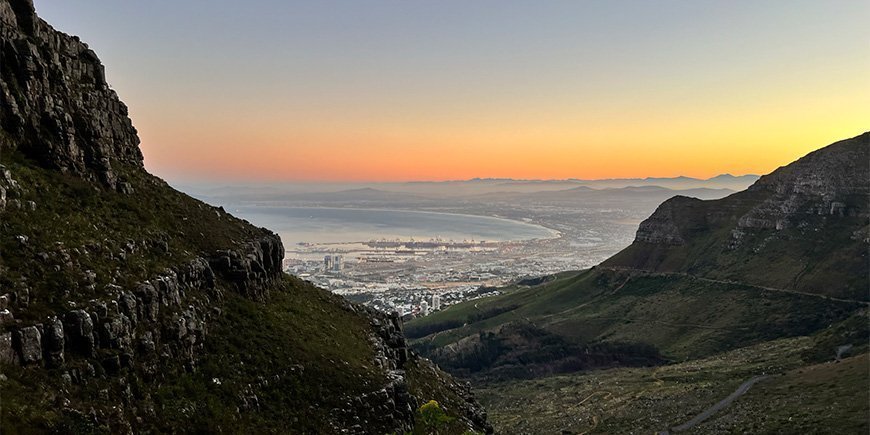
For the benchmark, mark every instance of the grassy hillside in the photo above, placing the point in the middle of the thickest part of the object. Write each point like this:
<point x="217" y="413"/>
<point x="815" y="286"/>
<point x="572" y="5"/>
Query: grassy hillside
<point x="682" y="317"/>
<point x="823" y="257"/>
<point x="271" y="367"/>
<point x="77" y="237"/>
<point x="829" y="397"/>
<point x="787" y="257"/>
<point x="216" y="358"/>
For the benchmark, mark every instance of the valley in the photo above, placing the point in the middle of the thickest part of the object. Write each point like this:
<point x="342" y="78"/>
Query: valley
<point x="746" y="313"/>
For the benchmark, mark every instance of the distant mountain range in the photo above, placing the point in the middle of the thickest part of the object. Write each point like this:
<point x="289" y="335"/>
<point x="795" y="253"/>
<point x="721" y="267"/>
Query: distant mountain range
<point x="475" y="189"/>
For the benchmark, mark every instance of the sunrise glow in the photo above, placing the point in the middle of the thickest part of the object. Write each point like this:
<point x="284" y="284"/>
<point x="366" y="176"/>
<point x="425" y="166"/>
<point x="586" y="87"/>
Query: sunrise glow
<point x="391" y="91"/>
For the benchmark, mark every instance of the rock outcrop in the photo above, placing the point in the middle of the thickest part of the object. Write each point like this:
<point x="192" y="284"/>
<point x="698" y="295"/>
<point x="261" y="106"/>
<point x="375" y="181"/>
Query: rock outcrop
<point x="667" y="225"/>
<point x="829" y="182"/>
<point x="164" y="316"/>
<point x="55" y="105"/>
<point x="781" y="220"/>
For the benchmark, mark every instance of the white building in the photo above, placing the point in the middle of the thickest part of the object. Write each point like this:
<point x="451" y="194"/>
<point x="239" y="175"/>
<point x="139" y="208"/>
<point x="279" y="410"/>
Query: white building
<point x="436" y="302"/>
<point x="424" y="308"/>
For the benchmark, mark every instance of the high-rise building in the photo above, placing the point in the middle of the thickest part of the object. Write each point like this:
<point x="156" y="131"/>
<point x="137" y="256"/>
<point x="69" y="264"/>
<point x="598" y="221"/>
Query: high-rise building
<point x="333" y="263"/>
<point x="424" y="308"/>
<point x="436" y="302"/>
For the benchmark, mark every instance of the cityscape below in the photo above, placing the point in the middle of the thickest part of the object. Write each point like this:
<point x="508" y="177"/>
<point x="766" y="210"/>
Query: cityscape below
<point x="416" y="248"/>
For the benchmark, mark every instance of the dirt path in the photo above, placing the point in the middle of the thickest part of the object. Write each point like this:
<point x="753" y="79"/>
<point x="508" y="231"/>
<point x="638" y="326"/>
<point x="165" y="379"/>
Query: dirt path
<point x="722" y="404"/>
<point x="723" y="281"/>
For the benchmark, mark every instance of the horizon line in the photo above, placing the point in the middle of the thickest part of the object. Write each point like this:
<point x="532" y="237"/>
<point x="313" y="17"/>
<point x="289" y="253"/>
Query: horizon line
<point x="458" y="180"/>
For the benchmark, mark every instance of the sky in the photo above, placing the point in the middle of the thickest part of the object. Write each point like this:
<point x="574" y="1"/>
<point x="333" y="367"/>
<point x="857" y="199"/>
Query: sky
<point x="275" y="90"/>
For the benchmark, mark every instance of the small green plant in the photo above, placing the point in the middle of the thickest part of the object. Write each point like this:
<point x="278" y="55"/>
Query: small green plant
<point x="432" y="417"/>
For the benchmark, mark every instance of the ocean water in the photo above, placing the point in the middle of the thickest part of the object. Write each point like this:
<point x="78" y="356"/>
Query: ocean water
<point x="334" y="225"/>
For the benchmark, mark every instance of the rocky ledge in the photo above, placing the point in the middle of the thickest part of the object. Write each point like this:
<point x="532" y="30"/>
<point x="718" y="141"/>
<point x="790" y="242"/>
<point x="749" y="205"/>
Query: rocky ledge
<point x="161" y="318"/>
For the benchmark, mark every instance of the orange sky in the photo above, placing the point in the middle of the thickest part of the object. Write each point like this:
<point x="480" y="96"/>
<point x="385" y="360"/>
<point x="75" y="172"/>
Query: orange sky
<point x="387" y="91"/>
<point x="730" y="134"/>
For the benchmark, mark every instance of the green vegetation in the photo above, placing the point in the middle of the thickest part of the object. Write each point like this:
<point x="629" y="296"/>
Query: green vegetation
<point x="432" y="418"/>
<point x="302" y="369"/>
<point x="822" y="256"/>
<point x="428" y="383"/>
<point x="81" y="237"/>
<point x="267" y="368"/>
<point x="301" y="361"/>
<point x="824" y="398"/>
<point x="680" y="316"/>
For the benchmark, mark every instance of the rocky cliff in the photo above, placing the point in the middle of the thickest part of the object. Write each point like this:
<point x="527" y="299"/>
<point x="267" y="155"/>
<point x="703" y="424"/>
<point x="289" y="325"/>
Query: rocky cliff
<point x="775" y="232"/>
<point x="126" y="306"/>
<point x="57" y="107"/>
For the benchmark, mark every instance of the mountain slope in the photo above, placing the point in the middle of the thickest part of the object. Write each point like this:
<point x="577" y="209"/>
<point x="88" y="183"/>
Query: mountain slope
<point x="802" y="227"/>
<point x="786" y="257"/>
<point x="128" y="306"/>
<point x="768" y="285"/>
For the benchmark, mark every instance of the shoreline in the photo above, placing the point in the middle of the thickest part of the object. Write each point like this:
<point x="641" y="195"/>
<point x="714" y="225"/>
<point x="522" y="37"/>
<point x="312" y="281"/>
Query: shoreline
<point x="553" y="233"/>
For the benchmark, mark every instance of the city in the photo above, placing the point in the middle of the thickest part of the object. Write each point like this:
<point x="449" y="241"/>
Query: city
<point x="415" y="278"/>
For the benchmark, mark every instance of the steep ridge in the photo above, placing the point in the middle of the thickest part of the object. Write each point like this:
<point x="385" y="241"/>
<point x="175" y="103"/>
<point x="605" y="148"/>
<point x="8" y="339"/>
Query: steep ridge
<point x="58" y="107"/>
<point x="787" y="257"/>
<point x="802" y="227"/>
<point x="126" y="306"/>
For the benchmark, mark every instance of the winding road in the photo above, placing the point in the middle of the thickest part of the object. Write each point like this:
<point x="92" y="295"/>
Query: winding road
<point x="741" y="390"/>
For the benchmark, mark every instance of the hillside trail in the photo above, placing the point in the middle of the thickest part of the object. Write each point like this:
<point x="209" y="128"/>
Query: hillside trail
<point x="730" y="282"/>
<point x="722" y="404"/>
<point x="594" y="299"/>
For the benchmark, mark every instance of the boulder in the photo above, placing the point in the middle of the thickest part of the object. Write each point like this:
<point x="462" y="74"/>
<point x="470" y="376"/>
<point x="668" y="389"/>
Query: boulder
<point x="79" y="328"/>
<point x="53" y="342"/>
<point x="28" y="342"/>
<point x="129" y="307"/>
<point x="115" y="332"/>
<point x="6" y="317"/>
<point x="7" y="352"/>
<point x="149" y="300"/>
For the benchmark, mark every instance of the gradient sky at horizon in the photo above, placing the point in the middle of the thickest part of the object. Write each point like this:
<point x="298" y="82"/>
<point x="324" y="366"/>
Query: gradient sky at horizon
<point x="396" y="90"/>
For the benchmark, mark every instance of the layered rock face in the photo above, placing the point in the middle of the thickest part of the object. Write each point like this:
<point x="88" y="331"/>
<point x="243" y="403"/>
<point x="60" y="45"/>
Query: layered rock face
<point x="162" y="317"/>
<point x="55" y="105"/>
<point x="832" y="181"/>
<point x="772" y="234"/>
<point x="663" y="226"/>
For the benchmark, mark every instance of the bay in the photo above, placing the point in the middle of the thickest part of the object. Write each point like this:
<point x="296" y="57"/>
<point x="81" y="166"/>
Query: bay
<point x="338" y="225"/>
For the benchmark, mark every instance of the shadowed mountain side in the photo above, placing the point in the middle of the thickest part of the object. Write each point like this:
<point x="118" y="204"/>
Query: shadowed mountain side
<point x="129" y="307"/>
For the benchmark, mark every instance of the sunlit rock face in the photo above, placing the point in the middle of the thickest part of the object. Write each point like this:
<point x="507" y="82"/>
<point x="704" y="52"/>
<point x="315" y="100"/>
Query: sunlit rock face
<point x="55" y="105"/>
<point x="831" y="181"/>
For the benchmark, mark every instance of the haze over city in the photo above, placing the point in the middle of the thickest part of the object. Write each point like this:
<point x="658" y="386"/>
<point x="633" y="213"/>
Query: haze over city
<point x="391" y="91"/>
